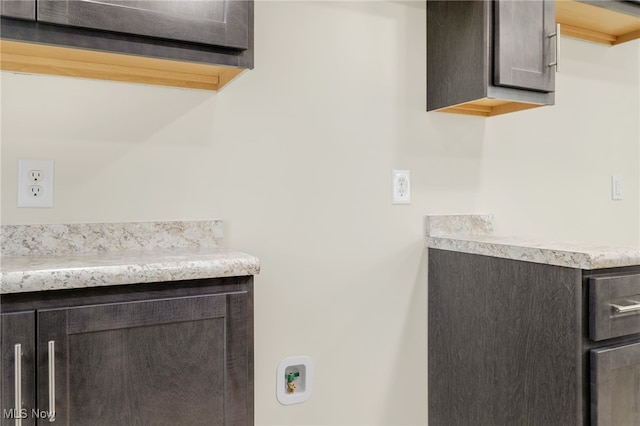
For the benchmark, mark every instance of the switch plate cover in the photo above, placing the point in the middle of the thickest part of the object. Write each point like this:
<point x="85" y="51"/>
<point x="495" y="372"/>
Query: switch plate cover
<point x="616" y="187"/>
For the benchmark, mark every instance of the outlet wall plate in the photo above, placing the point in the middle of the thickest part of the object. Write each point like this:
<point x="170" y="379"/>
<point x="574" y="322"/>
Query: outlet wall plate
<point x="400" y="187"/>
<point x="35" y="183"/>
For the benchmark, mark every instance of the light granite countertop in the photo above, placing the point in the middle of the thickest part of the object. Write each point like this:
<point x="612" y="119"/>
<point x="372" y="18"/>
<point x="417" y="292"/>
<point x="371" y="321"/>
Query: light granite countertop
<point x="474" y="234"/>
<point x="52" y="257"/>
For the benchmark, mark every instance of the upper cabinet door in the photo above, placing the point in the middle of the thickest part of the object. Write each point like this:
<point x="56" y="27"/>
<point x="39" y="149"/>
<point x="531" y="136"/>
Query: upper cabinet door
<point x="524" y="44"/>
<point x="23" y="9"/>
<point x="212" y="22"/>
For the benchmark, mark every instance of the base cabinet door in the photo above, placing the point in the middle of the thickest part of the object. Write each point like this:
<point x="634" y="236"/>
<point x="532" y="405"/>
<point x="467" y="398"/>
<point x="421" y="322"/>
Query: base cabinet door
<point x="615" y="386"/>
<point x="18" y="373"/>
<point x="179" y="361"/>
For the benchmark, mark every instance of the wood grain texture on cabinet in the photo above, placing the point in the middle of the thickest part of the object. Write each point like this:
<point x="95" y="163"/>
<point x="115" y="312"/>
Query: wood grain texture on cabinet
<point x="604" y="292"/>
<point x="17" y="328"/>
<point x="503" y="342"/>
<point x="615" y="380"/>
<point x="215" y="22"/>
<point x="461" y="54"/>
<point x="164" y="361"/>
<point x="22" y="9"/>
<point x="159" y="354"/>
<point x="524" y="44"/>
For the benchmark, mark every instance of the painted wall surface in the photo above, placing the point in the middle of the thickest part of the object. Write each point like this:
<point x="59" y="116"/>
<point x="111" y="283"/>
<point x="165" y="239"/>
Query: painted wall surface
<point x="296" y="155"/>
<point x="550" y="170"/>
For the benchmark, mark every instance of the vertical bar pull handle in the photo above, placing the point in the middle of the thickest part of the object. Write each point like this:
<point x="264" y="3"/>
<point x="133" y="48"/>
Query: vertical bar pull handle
<point x="52" y="381"/>
<point x="17" y="350"/>
<point x="557" y="37"/>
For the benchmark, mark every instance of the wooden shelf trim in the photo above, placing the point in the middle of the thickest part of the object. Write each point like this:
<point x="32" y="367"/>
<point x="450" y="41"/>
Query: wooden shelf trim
<point x="44" y="59"/>
<point x="488" y="107"/>
<point x="585" y="34"/>
<point x="596" y="24"/>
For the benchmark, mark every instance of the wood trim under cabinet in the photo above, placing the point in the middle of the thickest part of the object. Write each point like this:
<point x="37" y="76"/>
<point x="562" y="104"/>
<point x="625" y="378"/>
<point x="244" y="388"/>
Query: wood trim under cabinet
<point x="597" y="24"/>
<point x="488" y="107"/>
<point x="53" y="60"/>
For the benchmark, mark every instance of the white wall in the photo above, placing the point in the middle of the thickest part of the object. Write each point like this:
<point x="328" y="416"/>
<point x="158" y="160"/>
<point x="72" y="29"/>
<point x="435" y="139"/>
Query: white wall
<point x="295" y="156"/>
<point x="550" y="170"/>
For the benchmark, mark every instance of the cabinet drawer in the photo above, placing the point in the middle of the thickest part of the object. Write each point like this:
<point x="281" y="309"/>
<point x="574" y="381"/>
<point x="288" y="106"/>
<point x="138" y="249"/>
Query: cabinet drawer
<point x="614" y="308"/>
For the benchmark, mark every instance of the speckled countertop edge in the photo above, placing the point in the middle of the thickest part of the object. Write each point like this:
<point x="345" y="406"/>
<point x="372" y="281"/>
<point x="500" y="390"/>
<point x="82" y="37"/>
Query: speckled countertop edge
<point x="23" y="274"/>
<point x="90" y="255"/>
<point x="473" y="234"/>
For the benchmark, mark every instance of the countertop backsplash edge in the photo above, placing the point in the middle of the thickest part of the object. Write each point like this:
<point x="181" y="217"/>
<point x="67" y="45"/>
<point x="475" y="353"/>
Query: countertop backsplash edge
<point x="95" y="238"/>
<point x="473" y="234"/>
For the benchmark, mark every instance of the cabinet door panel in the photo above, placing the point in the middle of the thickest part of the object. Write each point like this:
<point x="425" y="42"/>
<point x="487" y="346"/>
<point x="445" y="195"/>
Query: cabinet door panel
<point x="523" y="48"/>
<point x="18" y="329"/>
<point x="23" y="9"/>
<point x="158" y="362"/>
<point x="615" y="384"/>
<point x="213" y="22"/>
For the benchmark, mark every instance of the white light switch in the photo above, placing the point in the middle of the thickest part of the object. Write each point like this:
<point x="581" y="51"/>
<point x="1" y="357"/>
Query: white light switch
<point x="616" y="187"/>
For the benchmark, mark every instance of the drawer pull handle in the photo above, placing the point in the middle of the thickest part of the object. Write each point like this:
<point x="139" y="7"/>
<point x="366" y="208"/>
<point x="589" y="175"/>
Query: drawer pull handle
<point x="619" y="309"/>
<point x="52" y="381"/>
<point x="18" y="383"/>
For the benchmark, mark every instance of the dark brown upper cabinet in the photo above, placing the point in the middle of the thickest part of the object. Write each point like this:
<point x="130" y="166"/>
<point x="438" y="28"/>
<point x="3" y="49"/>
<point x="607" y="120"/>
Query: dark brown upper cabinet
<point x="200" y="44"/>
<point x="490" y="57"/>
<point x="608" y="22"/>
<point x="218" y="23"/>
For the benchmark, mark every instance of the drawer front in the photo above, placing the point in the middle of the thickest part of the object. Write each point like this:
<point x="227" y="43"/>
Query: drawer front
<point x="614" y="308"/>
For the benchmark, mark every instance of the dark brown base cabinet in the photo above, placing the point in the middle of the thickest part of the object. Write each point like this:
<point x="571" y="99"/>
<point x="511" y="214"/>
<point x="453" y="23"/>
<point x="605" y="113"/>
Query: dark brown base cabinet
<point x="515" y="343"/>
<point x="177" y="353"/>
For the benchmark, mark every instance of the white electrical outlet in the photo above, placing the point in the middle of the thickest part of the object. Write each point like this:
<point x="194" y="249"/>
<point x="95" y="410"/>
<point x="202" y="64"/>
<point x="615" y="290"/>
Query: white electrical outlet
<point x="616" y="187"/>
<point x="401" y="187"/>
<point x="35" y="175"/>
<point x="35" y="183"/>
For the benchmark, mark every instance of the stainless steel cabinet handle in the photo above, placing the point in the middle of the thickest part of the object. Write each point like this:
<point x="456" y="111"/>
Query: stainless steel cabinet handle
<point x="557" y="37"/>
<point x="17" y="350"/>
<point x="620" y="309"/>
<point x="52" y="381"/>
